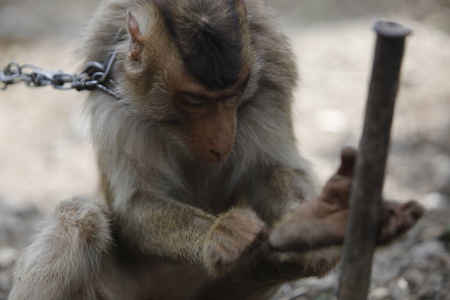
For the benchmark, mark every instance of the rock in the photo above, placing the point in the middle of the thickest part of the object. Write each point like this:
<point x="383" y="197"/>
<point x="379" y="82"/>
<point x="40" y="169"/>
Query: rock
<point x="17" y="222"/>
<point x="434" y="200"/>
<point x="384" y="273"/>
<point x="379" y="294"/>
<point x="402" y="283"/>
<point x="293" y="293"/>
<point x="433" y="287"/>
<point x="432" y="232"/>
<point x="429" y="248"/>
<point x="6" y="282"/>
<point x="8" y="256"/>
<point x="400" y="289"/>
<point x="414" y="277"/>
<point x="285" y="289"/>
<point x="444" y="259"/>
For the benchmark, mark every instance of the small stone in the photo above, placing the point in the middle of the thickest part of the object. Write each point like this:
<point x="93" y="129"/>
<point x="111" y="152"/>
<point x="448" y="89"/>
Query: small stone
<point x="433" y="286"/>
<point x="8" y="256"/>
<point x="383" y="273"/>
<point x="379" y="293"/>
<point x="5" y="282"/>
<point x="428" y="249"/>
<point x="398" y="291"/>
<point x="432" y="233"/>
<point x="402" y="283"/>
<point x="297" y="293"/>
<point x="414" y="277"/>
<point x="444" y="258"/>
<point x="285" y="289"/>
<point x="434" y="201"/>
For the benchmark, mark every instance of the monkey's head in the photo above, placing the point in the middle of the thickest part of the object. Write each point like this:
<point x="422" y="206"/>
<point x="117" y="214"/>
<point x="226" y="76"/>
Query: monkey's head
<point x="187" y="66"/>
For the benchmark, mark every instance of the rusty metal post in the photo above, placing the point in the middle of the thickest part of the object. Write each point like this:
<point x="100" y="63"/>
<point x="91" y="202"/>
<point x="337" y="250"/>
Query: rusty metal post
<point x="365" y="217"/>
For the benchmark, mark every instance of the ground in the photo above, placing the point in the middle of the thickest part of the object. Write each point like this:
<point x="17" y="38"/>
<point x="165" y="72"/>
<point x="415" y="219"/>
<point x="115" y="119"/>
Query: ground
<point x="45" y="158"/>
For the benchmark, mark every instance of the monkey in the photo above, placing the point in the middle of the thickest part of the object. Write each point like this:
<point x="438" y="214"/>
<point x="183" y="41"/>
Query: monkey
<point x="204" y="194"/>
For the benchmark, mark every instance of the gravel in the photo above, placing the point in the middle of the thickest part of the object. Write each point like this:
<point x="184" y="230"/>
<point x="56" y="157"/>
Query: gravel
<point x="45" y="157"/>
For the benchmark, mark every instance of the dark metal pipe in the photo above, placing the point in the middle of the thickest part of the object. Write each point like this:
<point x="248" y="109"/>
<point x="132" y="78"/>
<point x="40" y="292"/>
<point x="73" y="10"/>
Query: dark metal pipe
<point x="365" y="215"/>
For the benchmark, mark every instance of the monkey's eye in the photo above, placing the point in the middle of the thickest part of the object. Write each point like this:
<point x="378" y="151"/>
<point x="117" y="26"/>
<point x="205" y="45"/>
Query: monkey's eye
<point x="233" y="98"/>
<point x="237" y="94"/>
<point x="192" y="101"/>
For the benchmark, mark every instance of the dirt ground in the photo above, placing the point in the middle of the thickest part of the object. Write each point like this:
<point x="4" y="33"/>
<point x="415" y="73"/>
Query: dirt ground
<point x="44" y="156"/>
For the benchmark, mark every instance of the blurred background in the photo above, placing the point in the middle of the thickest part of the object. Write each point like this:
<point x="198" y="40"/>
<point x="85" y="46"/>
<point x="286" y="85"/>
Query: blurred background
<point x="45" y="158"/>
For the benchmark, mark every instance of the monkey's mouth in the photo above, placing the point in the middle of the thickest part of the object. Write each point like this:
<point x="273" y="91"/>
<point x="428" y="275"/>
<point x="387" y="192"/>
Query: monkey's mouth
<point x="211" y="156"/>
<point x="208" y="152"/>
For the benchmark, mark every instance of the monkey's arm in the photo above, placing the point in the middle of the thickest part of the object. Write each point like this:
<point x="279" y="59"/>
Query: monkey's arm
<point x="300" y="243"/>
<point x="283" y="190"/>
<point x="187" y="234"/>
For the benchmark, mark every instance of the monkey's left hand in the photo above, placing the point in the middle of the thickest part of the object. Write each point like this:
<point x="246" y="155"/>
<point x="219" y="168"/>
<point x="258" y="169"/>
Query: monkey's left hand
<point x="233" y="236"/>
<point x="323" y="222"/>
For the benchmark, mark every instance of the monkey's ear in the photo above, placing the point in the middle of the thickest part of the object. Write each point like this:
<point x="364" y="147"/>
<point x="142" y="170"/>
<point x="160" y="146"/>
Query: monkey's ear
<point x="137" y="38"/>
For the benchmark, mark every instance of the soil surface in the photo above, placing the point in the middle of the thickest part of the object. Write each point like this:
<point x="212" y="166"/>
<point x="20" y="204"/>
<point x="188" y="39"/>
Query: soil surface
<point x="45" y="158"/>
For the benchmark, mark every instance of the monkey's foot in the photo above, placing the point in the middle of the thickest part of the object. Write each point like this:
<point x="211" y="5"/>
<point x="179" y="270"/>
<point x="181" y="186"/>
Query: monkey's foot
<point x="233" y="236"/>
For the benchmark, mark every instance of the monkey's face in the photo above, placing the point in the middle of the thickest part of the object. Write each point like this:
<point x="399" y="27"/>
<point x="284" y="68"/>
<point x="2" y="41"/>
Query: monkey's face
<point x="208" y="119"/>
<point x="187" y="68"/>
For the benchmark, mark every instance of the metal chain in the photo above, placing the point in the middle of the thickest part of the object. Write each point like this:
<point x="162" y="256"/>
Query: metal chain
<point x="94" y="76"/>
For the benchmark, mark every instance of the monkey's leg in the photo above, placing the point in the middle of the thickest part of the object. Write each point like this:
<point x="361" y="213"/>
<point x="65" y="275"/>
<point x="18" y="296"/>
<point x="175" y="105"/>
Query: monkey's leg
<point x="66" y="257"/>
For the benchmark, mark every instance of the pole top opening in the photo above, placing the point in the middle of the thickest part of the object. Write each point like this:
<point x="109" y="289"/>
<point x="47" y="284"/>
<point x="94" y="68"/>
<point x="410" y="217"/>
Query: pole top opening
<point x="391" y="29"/>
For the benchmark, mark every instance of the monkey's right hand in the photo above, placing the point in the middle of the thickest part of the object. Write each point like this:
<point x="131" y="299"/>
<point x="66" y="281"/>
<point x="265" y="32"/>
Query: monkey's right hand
<point x="323" y="222"/>
<point x="233" y="236"/>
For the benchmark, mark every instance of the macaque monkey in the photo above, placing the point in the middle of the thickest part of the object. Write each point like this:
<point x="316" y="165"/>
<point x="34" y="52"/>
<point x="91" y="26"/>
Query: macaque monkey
<point x="205" y="195"/>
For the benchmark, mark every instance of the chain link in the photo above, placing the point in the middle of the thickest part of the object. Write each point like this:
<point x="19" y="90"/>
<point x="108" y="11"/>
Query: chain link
<point x="94" y="76"/>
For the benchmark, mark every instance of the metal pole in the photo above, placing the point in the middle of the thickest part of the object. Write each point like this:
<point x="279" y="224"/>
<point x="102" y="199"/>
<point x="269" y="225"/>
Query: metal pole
<point x="365" y="215"/>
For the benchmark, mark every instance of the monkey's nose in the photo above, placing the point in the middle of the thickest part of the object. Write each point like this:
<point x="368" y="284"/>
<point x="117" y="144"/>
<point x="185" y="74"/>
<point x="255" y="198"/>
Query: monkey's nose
<point x="220" y="149"/>
<point x="217" y="151"/>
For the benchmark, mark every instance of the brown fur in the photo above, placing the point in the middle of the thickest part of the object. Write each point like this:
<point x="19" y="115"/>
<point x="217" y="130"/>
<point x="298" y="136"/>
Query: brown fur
<point x="175" y="227"/>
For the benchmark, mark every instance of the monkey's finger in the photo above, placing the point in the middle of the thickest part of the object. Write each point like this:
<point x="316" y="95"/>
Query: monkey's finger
<point x="336" y="193"/>
<point x="348" y="159"/>
<point x="262" y="236"/>
<point x="310" y="234"/>
<point x="398" y="218"/>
